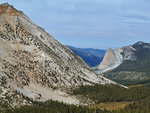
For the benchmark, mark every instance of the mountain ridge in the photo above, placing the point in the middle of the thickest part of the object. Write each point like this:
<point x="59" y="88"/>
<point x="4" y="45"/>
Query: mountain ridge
<point x="119" y="56"/>
<point x="32" y="62"/>
<point x="134" y="65"/>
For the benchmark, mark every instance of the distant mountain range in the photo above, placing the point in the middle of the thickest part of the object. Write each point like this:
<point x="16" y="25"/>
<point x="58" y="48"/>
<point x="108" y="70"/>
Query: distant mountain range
<point x="91" y="56"/>
<point x="130" y="63"/>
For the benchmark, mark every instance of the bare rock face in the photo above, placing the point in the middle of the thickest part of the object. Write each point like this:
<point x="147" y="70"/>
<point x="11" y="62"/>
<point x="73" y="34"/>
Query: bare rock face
<point x="113" y="58"/>
<point x="109" y="59"/>
<point x="30" y="55"/>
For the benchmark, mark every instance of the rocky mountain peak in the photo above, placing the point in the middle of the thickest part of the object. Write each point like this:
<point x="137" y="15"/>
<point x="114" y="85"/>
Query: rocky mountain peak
<point x="140" y="43"/>
<point x="109" y="51"/>
<point x="8" y="9"/>
<point x="109" y="62"/>
<point x="108" y="58"/>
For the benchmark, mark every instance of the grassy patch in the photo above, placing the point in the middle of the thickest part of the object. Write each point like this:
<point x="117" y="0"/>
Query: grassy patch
<point x="140" y="85"/>
<point x="111" y="106"/>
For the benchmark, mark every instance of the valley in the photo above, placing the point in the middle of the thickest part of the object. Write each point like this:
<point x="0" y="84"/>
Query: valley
<point x="38" y="74"/>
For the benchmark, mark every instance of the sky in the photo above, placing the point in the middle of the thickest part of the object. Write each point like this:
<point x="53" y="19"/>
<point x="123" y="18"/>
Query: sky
<point x="97" y="24"/>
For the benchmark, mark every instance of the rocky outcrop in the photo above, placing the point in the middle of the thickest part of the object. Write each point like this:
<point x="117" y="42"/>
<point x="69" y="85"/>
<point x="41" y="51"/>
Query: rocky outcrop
<point x="109" y="59"/>
<point x="113" y="58"/>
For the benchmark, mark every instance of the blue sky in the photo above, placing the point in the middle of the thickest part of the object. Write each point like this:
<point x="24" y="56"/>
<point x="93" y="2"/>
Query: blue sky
<point x="90" y="23"/>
